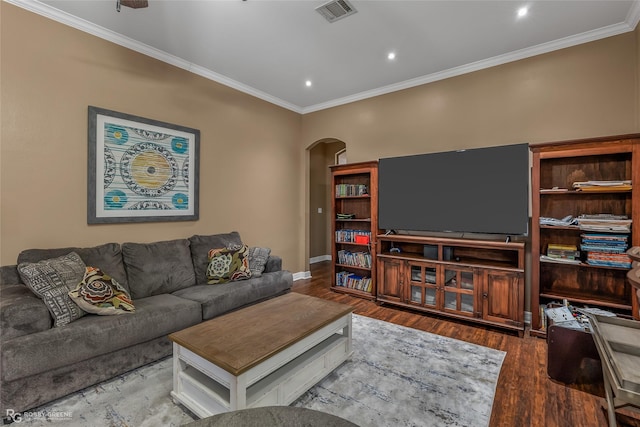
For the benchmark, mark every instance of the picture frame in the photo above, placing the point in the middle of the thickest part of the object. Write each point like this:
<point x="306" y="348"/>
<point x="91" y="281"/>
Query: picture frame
<point x="140" y="169"/>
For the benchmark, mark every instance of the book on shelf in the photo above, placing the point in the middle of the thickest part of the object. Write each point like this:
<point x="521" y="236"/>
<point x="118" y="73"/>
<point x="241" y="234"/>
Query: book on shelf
<point x="607" y="250"/>
<point x="350" y="190"/>
<point x="350" y="236"/>
<point x="353" y="281"/>
<point x="609" y="259"/>
<point x="563" y="251"/>
<point x="356" y="259"/>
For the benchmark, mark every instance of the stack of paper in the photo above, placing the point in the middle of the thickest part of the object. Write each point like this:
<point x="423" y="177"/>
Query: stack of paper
<point x="605" y="223"/>
<point x="602" y="185"/>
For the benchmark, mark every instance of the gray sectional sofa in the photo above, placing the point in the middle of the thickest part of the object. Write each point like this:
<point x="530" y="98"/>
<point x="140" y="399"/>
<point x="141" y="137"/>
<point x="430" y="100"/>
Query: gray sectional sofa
<point x="168" y="285"/>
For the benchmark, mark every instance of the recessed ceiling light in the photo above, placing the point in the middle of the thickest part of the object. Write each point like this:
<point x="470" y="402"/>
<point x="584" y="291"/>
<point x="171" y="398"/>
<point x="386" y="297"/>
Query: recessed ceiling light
<point x="391" y="56"/>
<point x="522" y="11"/>
<point x="308" y="83"/>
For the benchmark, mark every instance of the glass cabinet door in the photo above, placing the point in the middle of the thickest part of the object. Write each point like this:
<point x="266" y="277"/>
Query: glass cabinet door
<point x="423" y="284"/>
<point x="459" y="290"/>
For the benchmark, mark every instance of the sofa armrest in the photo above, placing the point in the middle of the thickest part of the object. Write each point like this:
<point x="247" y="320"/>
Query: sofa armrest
<point x="21" y="312"/>
<point x="274" y="263"/>
<point x="9" y="275"/>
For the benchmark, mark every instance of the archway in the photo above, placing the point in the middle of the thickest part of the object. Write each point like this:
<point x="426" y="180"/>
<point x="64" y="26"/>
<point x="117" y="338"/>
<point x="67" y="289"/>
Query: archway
<point x="322" y="154"/>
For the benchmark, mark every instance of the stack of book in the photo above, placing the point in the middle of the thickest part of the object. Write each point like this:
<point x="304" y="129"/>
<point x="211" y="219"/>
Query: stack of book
<point x="356" y="259"/>
<point x="567" y="254"/>
<point x="555" y="250"/>
<point x="607" y="250"/>
<point x="350" y="190"/>
<point x="353" y="281"/>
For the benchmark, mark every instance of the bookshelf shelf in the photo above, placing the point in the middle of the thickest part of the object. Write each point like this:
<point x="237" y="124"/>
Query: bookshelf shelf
<point x="581" y="193"/>
<point x="357" y="267"/>
<point x="583" y="265"/>
<point x="555" y="166"/>
<point x="347" y="183"/>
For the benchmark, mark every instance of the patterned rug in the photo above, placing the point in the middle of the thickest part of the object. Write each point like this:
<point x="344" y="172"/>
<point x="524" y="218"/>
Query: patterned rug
<point x="397" y="376"/>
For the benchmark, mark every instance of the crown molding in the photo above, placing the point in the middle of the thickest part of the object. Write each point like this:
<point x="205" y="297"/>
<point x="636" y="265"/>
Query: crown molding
<point x="111" y="36"/>
<point x="578" y="39"/>
<point x="633" y="17"/>
<point x="630" y="23"/>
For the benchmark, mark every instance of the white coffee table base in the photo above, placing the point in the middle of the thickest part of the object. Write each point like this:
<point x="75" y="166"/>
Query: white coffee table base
<point x="206" y="389"/>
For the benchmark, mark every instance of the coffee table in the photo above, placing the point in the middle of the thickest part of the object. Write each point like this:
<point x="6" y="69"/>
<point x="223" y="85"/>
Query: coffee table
<point x="266" y="354"/>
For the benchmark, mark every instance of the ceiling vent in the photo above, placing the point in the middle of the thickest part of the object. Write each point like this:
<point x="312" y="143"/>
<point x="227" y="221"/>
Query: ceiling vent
<point x="335" y="10"/>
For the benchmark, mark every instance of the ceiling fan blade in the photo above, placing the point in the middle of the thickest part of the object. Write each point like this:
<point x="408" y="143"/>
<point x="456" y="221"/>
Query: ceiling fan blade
<point x="135" y="4"/>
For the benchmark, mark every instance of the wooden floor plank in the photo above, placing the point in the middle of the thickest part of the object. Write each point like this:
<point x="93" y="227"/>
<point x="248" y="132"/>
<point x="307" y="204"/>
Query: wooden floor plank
<point x="525" y="395"/>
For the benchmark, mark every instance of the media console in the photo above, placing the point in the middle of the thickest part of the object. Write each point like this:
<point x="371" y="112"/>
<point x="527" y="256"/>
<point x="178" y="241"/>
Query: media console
<point x="477" y="280"/>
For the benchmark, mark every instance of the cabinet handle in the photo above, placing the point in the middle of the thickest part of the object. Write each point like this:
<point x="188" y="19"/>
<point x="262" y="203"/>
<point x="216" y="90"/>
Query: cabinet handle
<point x="485" y="295"/>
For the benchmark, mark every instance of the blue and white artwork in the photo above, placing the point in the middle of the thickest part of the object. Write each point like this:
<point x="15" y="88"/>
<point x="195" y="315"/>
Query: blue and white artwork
<point x="145" y="171"/>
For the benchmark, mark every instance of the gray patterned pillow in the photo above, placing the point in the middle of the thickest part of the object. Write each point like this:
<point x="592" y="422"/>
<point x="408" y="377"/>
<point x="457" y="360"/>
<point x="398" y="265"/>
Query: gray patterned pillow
<point x="258" y="260"/>
<point x="51" y="280"/>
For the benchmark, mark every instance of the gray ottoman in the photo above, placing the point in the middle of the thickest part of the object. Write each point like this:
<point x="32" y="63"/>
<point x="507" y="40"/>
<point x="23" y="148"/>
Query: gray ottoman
<point x="272" y="416"/>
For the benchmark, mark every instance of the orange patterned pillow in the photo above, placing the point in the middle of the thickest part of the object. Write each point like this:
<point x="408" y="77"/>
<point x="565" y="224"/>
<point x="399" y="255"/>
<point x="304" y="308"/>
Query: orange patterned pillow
<point x="99" y="293"/>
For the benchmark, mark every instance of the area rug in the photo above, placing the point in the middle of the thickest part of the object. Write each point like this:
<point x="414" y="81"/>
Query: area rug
<point x="397" y="376"/>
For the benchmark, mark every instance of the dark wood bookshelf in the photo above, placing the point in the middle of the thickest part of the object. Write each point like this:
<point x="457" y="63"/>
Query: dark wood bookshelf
<point x="365" y="209"/>
<point x="558" y="165"/>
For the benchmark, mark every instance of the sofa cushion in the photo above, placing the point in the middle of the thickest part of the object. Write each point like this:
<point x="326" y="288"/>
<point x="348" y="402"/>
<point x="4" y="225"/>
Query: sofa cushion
<point x="100" y="294"/>
<point x="92" y="336"/>
<point x="200" y="247"/>
<point x="258" y="258"/>
<point x="21" y="312"/>
<point x="107" y="257"/>
<point x="51" y="280"/>
<point x="220" y="299"/>
<point x="228" y="265"/>
<point x="158" y="268"/>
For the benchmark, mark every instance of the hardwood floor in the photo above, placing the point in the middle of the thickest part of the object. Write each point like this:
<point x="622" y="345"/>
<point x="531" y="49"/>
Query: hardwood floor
<point x="525" y="396"/>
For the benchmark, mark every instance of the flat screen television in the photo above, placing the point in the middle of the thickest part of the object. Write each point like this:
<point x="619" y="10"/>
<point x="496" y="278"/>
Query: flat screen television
<point x="481" y="190"/>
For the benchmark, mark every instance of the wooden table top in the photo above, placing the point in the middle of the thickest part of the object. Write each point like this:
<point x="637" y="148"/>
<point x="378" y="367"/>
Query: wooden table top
<point x="240" y="340"/>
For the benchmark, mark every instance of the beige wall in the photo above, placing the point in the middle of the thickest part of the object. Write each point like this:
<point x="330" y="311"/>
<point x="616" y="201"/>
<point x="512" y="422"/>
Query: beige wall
<point x="583" y="91"/>
<point x="50" y="73"/>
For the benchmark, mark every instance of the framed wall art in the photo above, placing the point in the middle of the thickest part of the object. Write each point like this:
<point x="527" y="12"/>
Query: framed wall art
<point x="141" y="170"/>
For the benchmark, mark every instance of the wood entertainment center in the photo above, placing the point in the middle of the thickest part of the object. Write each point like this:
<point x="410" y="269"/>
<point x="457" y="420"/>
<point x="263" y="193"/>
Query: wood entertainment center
<point x="477" y="280"/>
<point x="572" y="182"/>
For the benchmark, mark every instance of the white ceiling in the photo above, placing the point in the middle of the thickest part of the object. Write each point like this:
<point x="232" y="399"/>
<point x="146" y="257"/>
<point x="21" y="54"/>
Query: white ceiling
<point x="270" y="48"/>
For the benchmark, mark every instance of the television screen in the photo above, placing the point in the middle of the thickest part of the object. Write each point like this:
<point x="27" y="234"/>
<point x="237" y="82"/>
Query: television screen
<point x="482" y="190"/>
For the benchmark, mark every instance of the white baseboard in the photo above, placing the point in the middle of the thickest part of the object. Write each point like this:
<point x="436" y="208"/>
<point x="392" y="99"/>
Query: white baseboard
<point x="301" y="275"/>
<point x="320" y="258"/>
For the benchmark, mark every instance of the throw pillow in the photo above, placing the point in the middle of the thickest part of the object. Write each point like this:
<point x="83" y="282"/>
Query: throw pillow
<point x="258" y="260"/>
<point x="200" y="245"/>
<point x="51" y="280"/>
<point x="228" y="264"/>
<point x="99" y="293"/>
